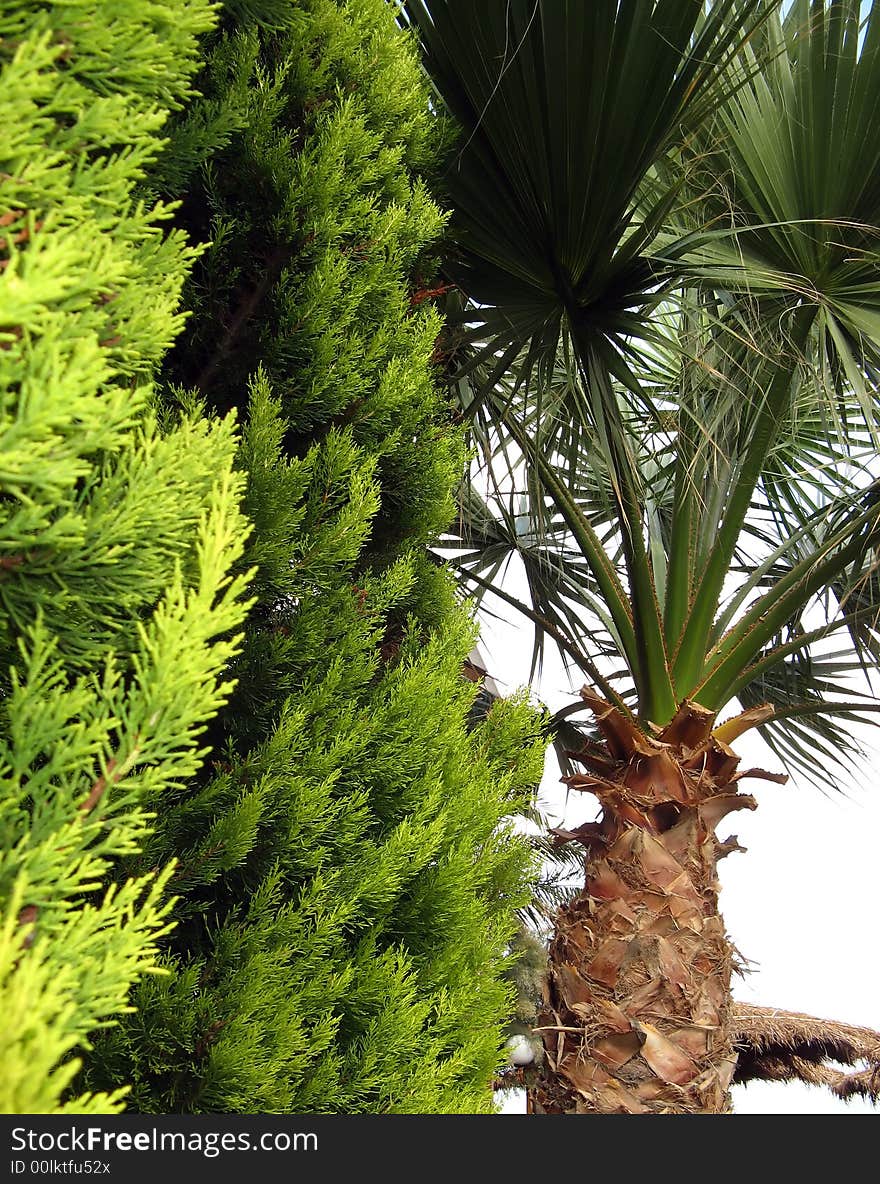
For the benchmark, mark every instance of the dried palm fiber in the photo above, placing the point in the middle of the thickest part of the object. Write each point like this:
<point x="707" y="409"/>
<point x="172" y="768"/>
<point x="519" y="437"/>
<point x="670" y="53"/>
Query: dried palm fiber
<point x="775" y="1045"/>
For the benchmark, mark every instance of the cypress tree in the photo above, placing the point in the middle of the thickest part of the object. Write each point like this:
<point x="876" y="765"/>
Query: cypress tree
<point x="117" y="530"/>
<point x="347" y="875"/>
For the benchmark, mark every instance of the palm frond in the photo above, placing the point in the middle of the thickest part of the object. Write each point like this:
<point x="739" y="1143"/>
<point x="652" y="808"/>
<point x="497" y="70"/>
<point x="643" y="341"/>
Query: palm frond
<point x="666" y="334"/>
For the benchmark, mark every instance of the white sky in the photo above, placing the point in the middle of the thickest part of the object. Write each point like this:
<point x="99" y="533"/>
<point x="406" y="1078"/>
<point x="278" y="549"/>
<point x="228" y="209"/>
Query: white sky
<point x="799" y="904"/>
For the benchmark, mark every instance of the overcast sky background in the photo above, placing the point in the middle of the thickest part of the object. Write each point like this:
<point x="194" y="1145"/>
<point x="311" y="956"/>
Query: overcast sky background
<point x="799" y="905"/>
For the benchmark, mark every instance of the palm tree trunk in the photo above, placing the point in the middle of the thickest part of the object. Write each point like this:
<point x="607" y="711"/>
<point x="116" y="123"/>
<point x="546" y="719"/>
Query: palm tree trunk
<point x="637" y="1012"/>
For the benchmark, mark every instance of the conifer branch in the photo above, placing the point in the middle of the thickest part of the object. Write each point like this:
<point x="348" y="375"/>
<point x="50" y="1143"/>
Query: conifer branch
<point x="243" y="315"/>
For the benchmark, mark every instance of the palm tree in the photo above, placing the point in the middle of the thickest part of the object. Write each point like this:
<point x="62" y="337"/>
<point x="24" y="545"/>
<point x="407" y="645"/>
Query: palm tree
<point x="665" y="338"/>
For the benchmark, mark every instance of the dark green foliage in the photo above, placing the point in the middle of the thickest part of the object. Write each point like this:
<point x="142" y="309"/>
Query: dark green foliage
<point x="318" y="221"/>
<point x="528" y="973"/>
<point x="347" y="874"/>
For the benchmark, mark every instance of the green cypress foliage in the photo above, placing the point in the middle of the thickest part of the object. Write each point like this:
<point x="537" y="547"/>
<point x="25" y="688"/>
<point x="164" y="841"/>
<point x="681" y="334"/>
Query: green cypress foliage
<point x="348" y="876"/>
<point x="117" y="535"/>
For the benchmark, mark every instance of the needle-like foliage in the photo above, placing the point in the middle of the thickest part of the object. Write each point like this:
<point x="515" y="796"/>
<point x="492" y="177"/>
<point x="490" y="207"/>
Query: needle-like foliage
<point x="117" y="532"/>
<point x="347" y="874"/>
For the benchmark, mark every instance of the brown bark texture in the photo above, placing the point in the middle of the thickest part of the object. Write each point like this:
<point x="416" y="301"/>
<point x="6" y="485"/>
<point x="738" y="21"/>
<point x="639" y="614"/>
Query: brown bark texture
<point x="637" y="1008"/>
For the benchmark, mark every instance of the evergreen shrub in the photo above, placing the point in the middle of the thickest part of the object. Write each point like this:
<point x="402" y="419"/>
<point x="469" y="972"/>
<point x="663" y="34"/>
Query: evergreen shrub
<point x="347" y="873"/>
